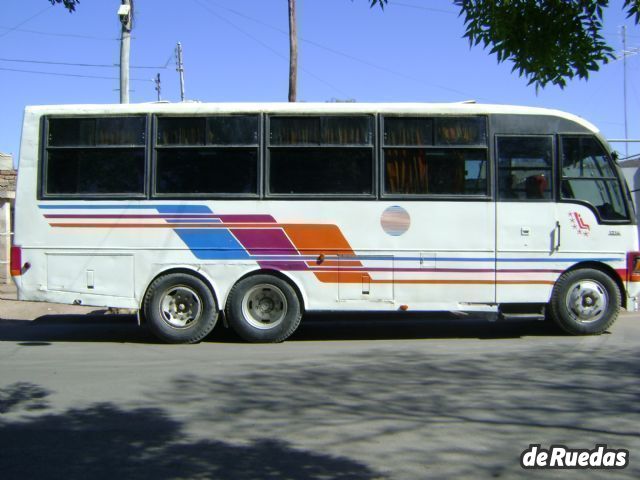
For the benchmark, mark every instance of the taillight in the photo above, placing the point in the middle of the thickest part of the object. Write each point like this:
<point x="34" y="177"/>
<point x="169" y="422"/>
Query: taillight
<point x="633" y="266"/>
<point x="16" y="261"/>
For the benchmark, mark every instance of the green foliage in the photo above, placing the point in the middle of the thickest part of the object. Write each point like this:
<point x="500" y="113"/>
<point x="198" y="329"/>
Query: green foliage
<point x="633" y="9"/>
<point x="548" y="41"/>
<point x="68" y="4"/>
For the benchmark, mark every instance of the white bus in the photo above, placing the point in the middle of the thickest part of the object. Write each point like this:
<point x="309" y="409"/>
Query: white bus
<point x="267" y="211"/>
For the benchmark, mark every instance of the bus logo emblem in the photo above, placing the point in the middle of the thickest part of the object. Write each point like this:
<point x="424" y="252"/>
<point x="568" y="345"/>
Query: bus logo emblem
<point x="579" y="224"/>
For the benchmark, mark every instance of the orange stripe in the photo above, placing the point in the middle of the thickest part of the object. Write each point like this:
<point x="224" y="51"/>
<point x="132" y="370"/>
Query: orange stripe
<point x="315" y="239"/>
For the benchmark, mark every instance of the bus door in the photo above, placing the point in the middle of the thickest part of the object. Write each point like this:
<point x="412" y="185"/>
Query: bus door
<point x="527" y="233"/>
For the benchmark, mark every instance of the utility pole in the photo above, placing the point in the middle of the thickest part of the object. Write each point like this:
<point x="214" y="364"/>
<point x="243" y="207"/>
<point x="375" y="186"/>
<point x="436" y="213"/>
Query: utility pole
<point x="624" y="74"/>
<point x="125" y="12"/>
<point x="158" y="87"/>
<point x="180" y="69"/>
<point x="293" y="52"/>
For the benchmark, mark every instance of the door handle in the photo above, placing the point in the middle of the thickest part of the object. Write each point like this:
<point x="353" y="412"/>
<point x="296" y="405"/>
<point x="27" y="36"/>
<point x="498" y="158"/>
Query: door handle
<point x="558" y="231"/>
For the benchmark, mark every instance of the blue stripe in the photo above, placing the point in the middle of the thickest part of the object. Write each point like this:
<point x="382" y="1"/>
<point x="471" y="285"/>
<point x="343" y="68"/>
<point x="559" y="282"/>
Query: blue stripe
<point x="164" y="209"/>
<point x="209" y="244"/>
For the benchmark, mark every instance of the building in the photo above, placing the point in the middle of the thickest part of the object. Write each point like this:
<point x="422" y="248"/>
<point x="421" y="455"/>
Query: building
<point x="631" y="171"/>
<point x="7" y="197"/>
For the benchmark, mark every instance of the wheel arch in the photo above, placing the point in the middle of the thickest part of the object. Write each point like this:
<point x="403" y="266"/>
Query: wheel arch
<point x="282" y="276"/>
<point x="608" y="270"/>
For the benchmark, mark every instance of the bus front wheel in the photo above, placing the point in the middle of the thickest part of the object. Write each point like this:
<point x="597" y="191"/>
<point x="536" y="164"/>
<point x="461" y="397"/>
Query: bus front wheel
<point x="585" y="301"/>
<point x="180" y="308"/>
<point x="263" y="309"/>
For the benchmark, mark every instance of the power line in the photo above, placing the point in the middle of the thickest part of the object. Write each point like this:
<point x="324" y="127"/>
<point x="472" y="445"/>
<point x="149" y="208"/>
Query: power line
<point x="56" y="34"/>
<point x="25" y="21"/>
<point x="346" y="55"/>
<point x="264" y="45"/>
<point x="93" y="65"/>
<point x="98" y="77"/>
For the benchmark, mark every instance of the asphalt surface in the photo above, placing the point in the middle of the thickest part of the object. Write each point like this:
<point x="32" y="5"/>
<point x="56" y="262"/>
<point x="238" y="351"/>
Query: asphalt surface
<point x="92" y="395"/>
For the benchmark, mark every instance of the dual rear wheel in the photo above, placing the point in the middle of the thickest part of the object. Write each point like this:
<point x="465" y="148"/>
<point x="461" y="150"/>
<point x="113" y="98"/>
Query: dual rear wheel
<point x="180" y="308"/>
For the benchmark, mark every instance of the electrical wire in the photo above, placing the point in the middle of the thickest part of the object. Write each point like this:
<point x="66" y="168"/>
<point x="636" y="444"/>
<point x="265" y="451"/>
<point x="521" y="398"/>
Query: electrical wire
<point x="265" y="45"/>
<point x="98" y="77"/>
<point x="25" y="21"/>
<point x="92" y="65"/>
<point x="346" y="55"/>
<point x="56" y="34"/>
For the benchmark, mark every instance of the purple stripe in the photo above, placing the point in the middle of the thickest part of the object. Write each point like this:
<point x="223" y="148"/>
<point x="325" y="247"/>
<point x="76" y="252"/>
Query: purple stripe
<point x="285" y="266"/>
<point x="267" y="241"/>
<point x="247" y="218"/>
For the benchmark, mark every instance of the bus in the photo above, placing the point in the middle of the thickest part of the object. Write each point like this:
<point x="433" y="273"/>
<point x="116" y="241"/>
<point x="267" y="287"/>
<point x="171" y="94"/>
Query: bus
<point x="262" y="212"/>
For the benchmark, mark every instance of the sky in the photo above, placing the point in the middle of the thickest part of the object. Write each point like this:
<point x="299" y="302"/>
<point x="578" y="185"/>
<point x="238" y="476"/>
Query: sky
<point x="237" y="51"/>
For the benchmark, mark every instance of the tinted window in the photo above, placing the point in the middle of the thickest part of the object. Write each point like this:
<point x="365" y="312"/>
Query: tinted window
<point x="435" y="156"/>
<point x="95" y="171"/>
<point x="461" y="131"/>
<point x="321" y="171"/>
<point x="327" y="130"/>
<point x="330" y="155"/>
<point x="95" y="156"/>
<point x="221" y="158"/>
<point x="295" y="130"/>
<point x="408" y="131"/>
<point x="584" y="157"/>
<point x="181" y="131"/>
<point x="232" y="130"/>
<point x="525" y="166"/>
<point x="435" y="171"/>
<point x="341" y="130"/>
<point x="89" y="132"/>
<point x="589" y="176"/>
<point x="206" y="171"/>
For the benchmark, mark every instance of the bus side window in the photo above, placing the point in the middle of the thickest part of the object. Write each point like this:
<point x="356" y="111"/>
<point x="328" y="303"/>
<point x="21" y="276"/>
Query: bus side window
<point x="525" y="166"/>
<point x="321" y="155"/>
<point x="589" y="176"/>
<point x="435" y="156"/>
<point x="97" y="157"/>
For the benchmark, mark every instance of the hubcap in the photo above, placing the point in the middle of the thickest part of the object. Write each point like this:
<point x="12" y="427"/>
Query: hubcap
<point x="180" y="306"/>
<point x="264" y="306"/>
<point x="587" y="301"/>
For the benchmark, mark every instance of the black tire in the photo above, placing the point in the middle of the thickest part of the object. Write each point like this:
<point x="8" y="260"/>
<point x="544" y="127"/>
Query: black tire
<point x="180" y="308"/>
<point x="585" y="302"/>
<point x="263" y="309"/>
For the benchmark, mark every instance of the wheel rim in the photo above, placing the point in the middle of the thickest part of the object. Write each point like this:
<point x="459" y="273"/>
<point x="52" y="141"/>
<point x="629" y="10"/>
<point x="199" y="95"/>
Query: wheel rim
<point x="587" y="300"/>
<point x="180" y="306"/>
<point x="264" y="306"/>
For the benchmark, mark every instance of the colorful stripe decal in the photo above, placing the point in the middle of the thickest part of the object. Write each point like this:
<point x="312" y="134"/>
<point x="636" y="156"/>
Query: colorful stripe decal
<point x="317" y="248"/>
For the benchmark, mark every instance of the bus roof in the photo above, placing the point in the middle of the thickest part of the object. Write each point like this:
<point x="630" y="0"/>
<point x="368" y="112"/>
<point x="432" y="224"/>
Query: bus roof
<point x="194" y="108"/>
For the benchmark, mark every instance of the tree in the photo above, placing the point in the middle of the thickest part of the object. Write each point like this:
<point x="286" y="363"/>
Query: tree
<point x="548" y="41"/>
<point x="68" y="4"/>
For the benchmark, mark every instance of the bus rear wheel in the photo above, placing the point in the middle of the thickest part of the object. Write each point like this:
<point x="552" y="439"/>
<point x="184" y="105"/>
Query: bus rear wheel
<point x="180" y="308"/>
<point x="585" y="302"/>
<point x="263" y="309"/>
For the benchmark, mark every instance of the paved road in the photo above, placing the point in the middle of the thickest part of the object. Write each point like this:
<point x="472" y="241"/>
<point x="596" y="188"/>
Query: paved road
<point x="349" y="397"/>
